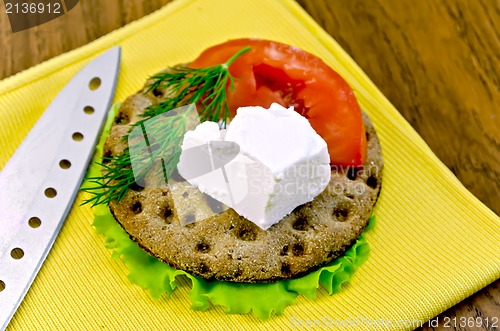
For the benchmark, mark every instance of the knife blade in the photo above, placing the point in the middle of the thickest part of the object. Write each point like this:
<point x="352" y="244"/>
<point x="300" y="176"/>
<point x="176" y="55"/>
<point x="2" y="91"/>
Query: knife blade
<point x="40" y="181"/>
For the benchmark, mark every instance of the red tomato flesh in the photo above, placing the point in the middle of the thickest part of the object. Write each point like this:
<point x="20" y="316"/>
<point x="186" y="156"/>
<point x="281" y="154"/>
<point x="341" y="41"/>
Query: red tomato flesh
<point x="275" y="72"/>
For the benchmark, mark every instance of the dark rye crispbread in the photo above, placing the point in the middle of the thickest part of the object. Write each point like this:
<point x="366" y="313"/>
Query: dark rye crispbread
<point x="229" y="247"/>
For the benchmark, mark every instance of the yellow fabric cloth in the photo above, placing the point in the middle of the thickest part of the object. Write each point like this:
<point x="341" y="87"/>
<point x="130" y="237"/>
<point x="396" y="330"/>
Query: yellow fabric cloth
<point x="434" y="243"/>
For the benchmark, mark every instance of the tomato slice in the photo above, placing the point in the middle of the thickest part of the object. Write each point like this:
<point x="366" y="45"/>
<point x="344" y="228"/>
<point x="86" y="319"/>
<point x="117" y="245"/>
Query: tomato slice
<point x="275" y="72"/>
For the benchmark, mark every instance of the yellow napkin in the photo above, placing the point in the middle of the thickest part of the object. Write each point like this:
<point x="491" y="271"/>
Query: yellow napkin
<point x="434" y="243"/>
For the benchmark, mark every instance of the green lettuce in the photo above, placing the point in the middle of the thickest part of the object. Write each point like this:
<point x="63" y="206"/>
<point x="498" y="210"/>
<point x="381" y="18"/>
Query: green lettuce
<point x="238" y="298"/>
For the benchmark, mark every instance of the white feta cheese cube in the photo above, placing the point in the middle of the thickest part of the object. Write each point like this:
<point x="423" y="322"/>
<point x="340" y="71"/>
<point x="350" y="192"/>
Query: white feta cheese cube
<point x="280" y="164"/>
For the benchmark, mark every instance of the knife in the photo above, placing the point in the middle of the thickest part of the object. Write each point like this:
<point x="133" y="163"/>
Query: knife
<point x="40" y="181"/>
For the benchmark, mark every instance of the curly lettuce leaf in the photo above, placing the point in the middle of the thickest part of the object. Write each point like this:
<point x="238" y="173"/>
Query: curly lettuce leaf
<point x="238" y="298"/>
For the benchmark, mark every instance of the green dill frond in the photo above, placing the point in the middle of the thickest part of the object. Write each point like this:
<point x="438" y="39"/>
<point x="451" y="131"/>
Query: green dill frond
<point x="205" y="87"/>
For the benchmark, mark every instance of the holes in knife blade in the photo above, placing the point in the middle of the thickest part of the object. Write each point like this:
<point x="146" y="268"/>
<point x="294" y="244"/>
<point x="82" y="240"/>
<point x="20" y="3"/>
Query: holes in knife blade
<point x="64" y="164"/>
<point x="94" y="83"/>
<point x="50" y="192"/>
<point x="34" y="222"/>
<point x="2" y="285"/>
<point x="88" y="110"/>
<point x="17" y="253"/>
<point x="77" y="136"/>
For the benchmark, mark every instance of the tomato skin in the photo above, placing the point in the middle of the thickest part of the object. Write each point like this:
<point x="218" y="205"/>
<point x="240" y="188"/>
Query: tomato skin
<point x="275" y="72"/>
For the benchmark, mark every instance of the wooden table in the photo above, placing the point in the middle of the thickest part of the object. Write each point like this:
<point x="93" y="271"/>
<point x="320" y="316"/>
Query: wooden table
<point x="436" y="60"/>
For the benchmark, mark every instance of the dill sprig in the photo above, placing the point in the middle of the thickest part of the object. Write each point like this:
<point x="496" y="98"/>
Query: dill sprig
<point x="185" y="86"/>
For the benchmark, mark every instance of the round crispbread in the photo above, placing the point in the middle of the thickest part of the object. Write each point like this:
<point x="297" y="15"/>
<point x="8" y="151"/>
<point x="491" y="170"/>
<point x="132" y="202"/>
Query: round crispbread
<point x="229" y="247"/>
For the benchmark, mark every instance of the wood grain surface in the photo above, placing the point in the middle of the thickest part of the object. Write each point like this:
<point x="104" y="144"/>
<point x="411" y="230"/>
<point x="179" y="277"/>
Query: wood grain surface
<point x="436" y="60"/>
